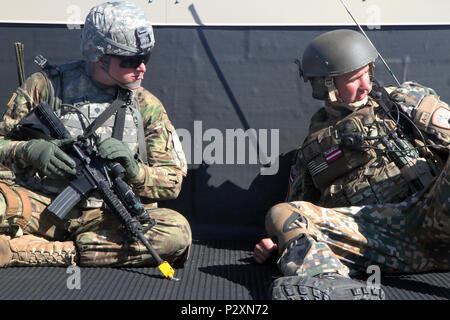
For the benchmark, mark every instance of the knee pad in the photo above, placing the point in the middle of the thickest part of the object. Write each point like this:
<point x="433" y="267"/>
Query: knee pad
<point x="284" y="223"/>
<point x="15" y="208"/>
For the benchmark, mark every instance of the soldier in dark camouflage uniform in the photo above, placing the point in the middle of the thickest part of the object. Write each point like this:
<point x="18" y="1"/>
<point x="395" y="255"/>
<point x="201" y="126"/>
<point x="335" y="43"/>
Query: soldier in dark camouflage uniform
<point x="369" y="185"/>
<point x="116" y="43"/>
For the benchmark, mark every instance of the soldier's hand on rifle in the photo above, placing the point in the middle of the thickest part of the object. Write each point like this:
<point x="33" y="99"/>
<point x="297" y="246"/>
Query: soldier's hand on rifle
<point x="115" y="150"/>
<point x="48" y="159"/>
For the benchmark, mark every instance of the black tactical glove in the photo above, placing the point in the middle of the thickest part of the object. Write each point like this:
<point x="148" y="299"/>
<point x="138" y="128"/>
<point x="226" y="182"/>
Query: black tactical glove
<point x="115" y="150"/>
<point x="48" y="159"/>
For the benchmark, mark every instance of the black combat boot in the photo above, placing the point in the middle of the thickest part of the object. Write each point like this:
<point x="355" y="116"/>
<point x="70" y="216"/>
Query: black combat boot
<point x="328" y="286"/>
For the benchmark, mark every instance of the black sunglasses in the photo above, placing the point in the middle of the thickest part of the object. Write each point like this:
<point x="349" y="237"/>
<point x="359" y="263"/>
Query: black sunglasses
<point x="133" y="61"/>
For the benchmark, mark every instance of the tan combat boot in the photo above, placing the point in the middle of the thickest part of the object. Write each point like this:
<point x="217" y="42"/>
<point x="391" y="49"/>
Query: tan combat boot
<point x="30" y="250"/>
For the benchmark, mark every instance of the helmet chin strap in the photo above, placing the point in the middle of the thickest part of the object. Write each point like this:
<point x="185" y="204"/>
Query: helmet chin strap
<point x="128" y="86"/>
<point x="333" y="94"/>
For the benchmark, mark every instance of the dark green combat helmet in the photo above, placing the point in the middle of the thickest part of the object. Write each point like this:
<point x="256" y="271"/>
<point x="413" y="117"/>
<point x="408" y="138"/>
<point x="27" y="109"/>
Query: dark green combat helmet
<point x="331" y="54"/>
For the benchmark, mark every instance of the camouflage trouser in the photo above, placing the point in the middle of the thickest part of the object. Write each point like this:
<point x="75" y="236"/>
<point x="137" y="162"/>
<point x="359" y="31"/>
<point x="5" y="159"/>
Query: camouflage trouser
<point x="97" y="233"/>
<point x="412" y="236"/>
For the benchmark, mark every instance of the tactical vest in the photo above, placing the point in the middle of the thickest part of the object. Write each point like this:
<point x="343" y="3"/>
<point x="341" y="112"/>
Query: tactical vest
<point x="78" y="102"/>
<point x="353" y="161"/>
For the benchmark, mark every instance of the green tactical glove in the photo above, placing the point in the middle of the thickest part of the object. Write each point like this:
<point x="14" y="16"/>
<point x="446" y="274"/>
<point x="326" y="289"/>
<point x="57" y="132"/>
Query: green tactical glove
<point x="48" y="159"/>
<point x="115" y="150"/>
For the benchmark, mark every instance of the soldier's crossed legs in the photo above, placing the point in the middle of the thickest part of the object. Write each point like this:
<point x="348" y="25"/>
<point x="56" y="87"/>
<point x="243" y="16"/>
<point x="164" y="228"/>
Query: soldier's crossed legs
<point x="412" y="236"/>
<point x="94" y="235"/>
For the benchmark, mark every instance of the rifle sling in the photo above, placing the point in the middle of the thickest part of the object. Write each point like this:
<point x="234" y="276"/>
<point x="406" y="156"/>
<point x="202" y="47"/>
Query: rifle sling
<point x="105" y="115"/>
<point x="119" y="124"/>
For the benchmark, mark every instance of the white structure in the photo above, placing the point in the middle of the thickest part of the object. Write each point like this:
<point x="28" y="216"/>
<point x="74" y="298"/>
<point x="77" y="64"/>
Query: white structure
<point x="373" y="13"/>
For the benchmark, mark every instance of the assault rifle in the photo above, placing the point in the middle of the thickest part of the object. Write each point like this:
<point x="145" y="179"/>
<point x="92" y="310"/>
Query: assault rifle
<point x="93" y="173"/>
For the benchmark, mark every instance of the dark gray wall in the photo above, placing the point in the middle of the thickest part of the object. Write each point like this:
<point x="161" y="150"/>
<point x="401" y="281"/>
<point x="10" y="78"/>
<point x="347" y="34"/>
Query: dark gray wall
<point x="237" y="77"/>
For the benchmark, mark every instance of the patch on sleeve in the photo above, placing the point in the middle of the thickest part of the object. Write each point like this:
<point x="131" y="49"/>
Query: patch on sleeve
<point x="441" y="118"/>
<point x="178" y="152"/>
<point x="333" y="154"/>
<point x="317" y="165"/>
<point x="13" y="98"/>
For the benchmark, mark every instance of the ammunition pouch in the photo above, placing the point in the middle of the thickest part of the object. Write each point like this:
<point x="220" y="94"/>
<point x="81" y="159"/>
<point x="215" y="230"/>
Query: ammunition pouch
<point x="329" y="154"/>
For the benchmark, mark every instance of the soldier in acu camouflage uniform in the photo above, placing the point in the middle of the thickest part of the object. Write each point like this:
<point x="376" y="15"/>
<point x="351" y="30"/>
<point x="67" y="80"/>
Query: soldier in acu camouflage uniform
<point x="369" y="185"/>
<point x="116" y="43"/>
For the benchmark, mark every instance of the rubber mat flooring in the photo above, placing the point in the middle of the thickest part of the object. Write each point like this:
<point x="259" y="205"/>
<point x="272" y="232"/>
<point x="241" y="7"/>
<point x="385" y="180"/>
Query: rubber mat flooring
<point x="217" y="270"/>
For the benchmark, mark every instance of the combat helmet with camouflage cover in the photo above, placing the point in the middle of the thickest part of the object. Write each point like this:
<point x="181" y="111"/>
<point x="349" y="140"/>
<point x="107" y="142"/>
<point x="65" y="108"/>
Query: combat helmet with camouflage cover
<point x="116" y="28"/>
<point x="332" y="54"/>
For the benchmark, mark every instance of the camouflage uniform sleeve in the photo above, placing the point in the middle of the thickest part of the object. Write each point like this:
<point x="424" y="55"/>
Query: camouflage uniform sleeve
<point x="34" y="90"/>
<point x="301" y="187"/>
<point x="426" y="110"/>
<point x="161" y="179"/>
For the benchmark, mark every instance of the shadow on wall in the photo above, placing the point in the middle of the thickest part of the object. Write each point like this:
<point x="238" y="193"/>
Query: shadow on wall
<point x="228" y="210"/>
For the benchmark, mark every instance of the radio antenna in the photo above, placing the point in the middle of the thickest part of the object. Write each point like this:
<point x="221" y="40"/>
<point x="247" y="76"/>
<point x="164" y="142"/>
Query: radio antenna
<point x="365" y="35"/>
